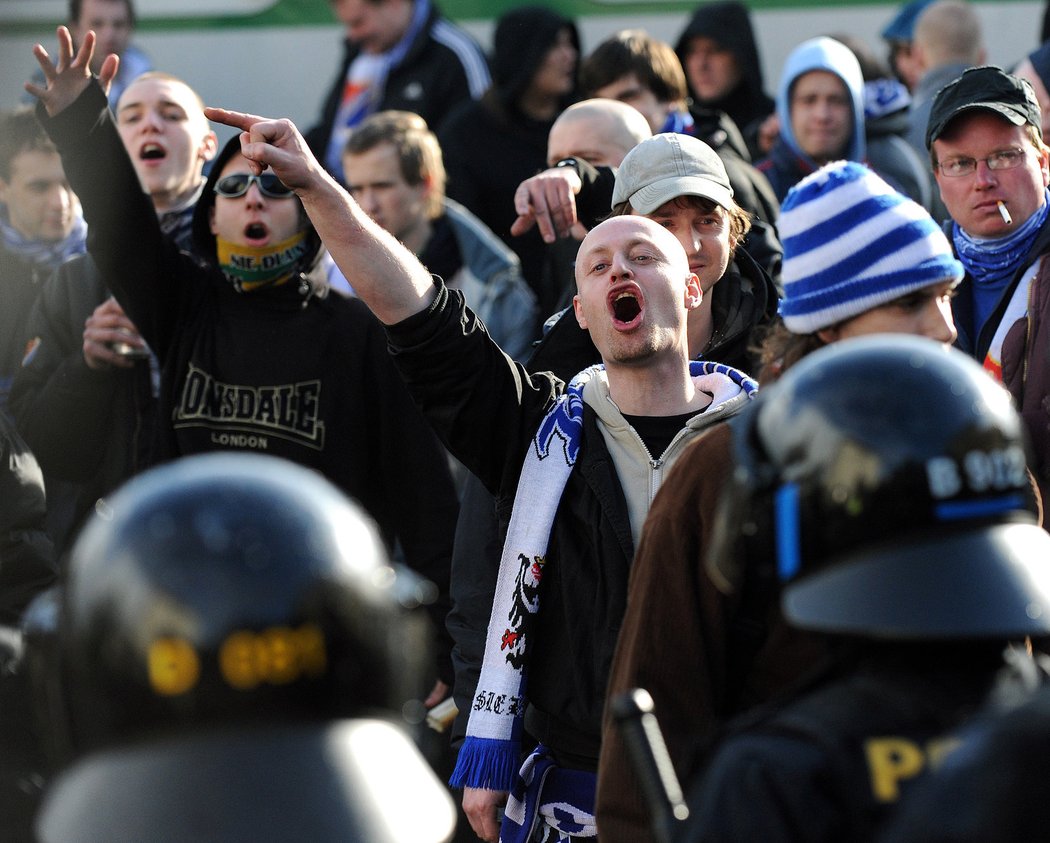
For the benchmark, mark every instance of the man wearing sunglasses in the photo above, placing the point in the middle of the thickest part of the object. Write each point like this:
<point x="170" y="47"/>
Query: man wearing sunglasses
<point x="992" y="166"/>
<point x="255" y="354"/>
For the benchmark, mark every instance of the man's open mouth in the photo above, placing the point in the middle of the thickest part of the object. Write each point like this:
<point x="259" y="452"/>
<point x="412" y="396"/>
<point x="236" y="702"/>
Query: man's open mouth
<point x="626" y="307"/>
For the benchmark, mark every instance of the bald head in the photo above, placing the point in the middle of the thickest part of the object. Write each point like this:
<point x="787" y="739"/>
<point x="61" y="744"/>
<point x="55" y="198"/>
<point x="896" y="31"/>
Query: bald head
<point x="614" y="233"/>
<point x="949" y="31"/>
<point x="598" y="131"/>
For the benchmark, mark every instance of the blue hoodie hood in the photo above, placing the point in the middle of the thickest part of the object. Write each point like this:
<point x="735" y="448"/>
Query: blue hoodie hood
<point x="835" y="57"/>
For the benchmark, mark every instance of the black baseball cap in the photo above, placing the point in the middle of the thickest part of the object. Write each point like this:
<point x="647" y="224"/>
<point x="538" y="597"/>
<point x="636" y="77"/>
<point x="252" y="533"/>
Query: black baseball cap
<point x="990" y="88"/>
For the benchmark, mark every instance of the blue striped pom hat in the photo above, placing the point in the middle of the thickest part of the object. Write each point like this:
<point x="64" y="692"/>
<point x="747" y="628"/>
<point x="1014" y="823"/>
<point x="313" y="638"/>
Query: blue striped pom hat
<point x="853" y="243"/>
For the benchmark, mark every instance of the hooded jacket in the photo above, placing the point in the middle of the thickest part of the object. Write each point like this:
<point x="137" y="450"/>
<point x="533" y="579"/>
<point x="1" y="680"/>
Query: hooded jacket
<point x="729" y="25"/>
<point x="787" y="164"/>
<point x="286" y="370"/>
<point x="491" y="146"/>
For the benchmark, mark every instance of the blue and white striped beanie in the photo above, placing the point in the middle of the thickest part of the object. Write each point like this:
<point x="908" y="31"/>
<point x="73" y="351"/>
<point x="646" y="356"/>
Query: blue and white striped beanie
<point x="852" y="243"/>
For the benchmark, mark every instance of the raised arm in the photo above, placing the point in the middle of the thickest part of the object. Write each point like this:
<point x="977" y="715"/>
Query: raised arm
<point x="384" y="274"/>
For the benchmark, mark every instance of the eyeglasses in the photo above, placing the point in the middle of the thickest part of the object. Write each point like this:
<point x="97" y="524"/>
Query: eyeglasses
<point x="1005" y="159"/>
<point x="237" y="184"/>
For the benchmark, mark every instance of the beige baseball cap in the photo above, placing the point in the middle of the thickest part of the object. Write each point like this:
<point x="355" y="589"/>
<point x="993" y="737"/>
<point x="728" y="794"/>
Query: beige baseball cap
<point x="669" y="165"/>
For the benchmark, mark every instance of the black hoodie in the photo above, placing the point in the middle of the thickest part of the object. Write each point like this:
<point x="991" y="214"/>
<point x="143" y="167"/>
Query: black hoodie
<point x="285" y="370"/>
<point x="729" y="24"/>
<point x="490" y="146"/>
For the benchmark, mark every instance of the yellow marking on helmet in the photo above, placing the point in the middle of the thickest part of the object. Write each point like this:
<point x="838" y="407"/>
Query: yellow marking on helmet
<point x="277" y="655"/>
<point x="173" y="666"/>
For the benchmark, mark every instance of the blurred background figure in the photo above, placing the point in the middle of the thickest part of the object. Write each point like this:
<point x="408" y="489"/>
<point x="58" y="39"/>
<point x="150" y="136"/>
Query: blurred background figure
<point x="947" y="41"/>
<point x="1035" y="67"/>
<point x="899" y="34"/>
<point x="399" y="54"/>
<point x="492" y="145"/>
<point x="393" y="168"/>
<point x="887" y="105"/>
<point x="41" y="226"/>
<point x="261" y="674"/>
<point x="820" y="109"/>
<point x="113" y="22"/>
<point x="723" y="68"/>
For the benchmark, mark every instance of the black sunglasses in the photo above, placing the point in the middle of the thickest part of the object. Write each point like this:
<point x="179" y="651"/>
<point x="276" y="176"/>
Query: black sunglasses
<point x="237" y="184"/>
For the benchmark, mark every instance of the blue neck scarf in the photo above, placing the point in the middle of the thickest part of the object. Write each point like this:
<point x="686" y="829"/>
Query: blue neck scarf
<point x="992" y="263"/>
<point x="680" y="122"/>
<point x="44" y="253"/>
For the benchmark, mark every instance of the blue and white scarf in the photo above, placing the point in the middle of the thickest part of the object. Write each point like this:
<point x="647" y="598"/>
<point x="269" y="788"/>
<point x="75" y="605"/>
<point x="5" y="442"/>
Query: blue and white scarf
<point x="47" y="253"/>
<point x="490" y="755"/>
<point x="544" y="792"/>
<point x="992" y="263"/>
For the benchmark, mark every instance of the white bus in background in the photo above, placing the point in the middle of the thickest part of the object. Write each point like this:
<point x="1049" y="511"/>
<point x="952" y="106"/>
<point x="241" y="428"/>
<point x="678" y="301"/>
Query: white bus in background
<point x="278" y="57"/>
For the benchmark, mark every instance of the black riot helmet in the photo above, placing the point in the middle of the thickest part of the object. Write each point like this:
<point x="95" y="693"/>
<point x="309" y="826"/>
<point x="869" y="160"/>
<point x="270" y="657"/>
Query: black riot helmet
<point x="230" y="589"/>
<point x="881" y="485"/>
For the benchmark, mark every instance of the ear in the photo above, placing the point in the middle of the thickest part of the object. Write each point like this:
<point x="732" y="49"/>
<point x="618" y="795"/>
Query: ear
<point x="828" y="335"/>
<point x="580" y="318"/>
<point x="209" y="147"/>
<point x="694" y="295"/>
<point x="211" y="220"/>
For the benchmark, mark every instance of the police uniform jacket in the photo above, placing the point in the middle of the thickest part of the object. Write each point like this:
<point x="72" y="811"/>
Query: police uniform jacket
<point x="833" y="764"/>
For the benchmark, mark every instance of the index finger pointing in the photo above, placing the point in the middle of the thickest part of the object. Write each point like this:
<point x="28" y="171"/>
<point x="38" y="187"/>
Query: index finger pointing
<point x="236" y="119"/>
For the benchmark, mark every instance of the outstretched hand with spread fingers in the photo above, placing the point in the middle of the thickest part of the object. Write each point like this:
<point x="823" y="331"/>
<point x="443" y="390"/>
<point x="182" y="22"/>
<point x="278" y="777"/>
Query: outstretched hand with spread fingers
<point x="70" y="75"/>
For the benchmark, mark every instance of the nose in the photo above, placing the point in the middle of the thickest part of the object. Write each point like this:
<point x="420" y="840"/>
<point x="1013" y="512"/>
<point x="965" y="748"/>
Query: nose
<point x="152" y="121"/>
<point x="619" y="269"/>
<point x="690" y="239"/>
<point x="253" y="197"/>
<point x="366" y="198"/>
<point x="59" y="198"/>
<point x="938" y="323"/>
<point x="984" y="174"/>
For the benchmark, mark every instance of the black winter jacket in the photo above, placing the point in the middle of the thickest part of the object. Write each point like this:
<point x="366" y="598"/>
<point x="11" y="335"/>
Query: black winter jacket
<point x="487" y="409"/>
<point x="92" y="427"/>
<point x="288" y="370"/>
<point x="442" y="68"/>
<point x="834" y="763"/>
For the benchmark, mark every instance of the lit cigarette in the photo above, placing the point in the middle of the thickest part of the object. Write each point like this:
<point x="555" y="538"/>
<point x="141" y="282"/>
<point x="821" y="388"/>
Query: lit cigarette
<point x="1005" y="214"/>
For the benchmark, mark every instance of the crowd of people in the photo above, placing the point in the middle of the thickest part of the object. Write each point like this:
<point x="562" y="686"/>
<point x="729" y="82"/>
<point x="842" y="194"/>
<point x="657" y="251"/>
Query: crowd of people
<point x="519" y="381"/>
